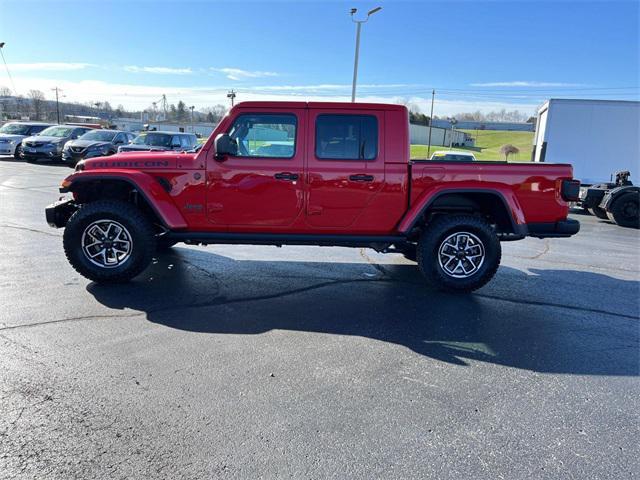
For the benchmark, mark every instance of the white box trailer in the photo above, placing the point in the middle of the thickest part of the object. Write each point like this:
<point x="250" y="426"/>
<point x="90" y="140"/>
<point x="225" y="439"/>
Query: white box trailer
<point x="598" y="137"/>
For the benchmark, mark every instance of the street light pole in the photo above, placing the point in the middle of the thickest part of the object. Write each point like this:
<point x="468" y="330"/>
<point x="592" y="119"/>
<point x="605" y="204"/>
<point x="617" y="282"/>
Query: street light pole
<point x="357" y="54"/>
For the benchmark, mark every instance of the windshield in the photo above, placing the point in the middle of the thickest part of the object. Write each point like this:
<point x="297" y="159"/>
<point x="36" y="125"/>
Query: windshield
<point x="99" y="135"/>
<point x="155" y="139"/>
<point x="57" y="131"/>
<point x="15" y="129"/>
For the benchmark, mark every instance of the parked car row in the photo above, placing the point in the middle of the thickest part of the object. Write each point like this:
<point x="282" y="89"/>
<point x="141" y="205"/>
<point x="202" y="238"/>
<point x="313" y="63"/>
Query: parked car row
<point x="34" y="141"/>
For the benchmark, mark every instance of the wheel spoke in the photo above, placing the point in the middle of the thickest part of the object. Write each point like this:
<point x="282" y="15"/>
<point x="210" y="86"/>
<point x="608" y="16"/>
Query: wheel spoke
<point x="106" y="243"/>
<point x="461" y="254"/>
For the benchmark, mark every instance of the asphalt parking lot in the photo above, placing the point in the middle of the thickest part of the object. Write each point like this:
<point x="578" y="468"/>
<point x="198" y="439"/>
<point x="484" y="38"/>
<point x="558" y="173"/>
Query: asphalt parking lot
<point x="307" y="362"/>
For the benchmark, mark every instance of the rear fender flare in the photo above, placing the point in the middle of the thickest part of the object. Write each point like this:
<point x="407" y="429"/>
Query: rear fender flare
<point x="507" y="197"/>
<point x="151" y="190"/>
<point x="615" y="193"/>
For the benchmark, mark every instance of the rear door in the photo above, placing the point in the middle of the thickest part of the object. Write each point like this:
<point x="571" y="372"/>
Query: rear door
<point x="263" y="185"/>
<point x="345" y="165"/>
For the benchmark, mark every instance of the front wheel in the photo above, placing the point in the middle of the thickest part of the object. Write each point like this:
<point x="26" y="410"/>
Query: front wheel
<point x="109" y="241"/>
<point x="459" y="253"/>
<point x="17" y="151"/>
<point x="601" y="213"/>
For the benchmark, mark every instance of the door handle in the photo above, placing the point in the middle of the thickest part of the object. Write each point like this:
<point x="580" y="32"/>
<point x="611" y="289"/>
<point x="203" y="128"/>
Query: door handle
<point x="286" y="176"/>
<point x="361" y="178"/>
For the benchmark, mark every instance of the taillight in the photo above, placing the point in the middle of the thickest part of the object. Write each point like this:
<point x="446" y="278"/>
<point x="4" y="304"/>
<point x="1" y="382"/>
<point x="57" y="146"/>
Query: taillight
<point x="570" y="190"/>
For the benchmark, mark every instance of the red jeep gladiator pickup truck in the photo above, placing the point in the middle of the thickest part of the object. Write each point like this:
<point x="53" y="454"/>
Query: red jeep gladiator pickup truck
<point x="297" y="173"/>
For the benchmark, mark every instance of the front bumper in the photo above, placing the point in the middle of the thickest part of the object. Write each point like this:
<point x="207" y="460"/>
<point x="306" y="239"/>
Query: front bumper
<point x="58" y="213"/>
<point x="563" y="228"/>
<point x="39" y="152"/>
<point x="71" y="158"/>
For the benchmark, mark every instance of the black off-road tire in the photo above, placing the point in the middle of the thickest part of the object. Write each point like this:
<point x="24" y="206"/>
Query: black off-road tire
<point x="16" y="152"/>
<point x="164" y="244"/>
<point x="624" y="210"/>
<point x="599" y="212"/>
<point x="140" y="229"/>
<point x="433" y="238"/>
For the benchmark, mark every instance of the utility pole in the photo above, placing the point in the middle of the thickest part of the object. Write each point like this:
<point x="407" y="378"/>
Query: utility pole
<point x="193" y="129"/>
<point x="231" y="95"/>
<point x="164" y="107"/>
<point x="433" y="96"/>
<point x="355" y="62"/>
<point x="453" y="129"/>
<point x="57" y="90"/>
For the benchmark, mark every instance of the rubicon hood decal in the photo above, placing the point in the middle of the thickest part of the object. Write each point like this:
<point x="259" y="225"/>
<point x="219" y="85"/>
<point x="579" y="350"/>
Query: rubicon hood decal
<point x="129" y="164"/>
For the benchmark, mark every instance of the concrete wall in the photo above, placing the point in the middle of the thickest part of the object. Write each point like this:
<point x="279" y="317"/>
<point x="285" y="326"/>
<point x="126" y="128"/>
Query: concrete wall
<point x="472" y="125"/>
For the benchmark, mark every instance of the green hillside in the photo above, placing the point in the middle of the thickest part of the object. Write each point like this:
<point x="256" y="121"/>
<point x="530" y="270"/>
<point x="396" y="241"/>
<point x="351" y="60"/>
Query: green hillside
<point x="488" y="143"/>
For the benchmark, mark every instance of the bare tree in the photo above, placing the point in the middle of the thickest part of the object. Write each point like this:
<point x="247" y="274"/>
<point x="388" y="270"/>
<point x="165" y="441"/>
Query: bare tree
<point x="37" y="102"/>
<point x="509" y="149"/>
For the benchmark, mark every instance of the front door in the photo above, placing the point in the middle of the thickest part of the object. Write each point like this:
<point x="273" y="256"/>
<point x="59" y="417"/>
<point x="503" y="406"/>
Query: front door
<point x="345" y="164"/>
<point x="262" y="186"/>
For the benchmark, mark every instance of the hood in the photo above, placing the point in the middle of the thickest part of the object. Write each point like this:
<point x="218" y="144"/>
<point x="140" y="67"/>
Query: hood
<point x="8" y="136"/>
<point x="137" y="161"/>
<point x="86" y="143"/>
<point x="45" y="139"/>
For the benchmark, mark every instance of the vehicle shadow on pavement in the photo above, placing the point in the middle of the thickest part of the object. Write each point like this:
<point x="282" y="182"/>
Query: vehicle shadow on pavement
<point x="527" y="320"/>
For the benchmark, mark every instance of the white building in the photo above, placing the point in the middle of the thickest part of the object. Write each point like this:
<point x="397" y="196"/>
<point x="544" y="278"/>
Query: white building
<point x="137" y="125"/>
<point x="419" y="135"/>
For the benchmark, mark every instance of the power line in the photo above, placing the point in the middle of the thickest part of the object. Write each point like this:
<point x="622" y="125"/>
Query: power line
<point x="2" y="44"/>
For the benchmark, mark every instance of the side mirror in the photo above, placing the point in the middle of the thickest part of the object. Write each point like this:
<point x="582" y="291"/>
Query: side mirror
<point x="225" y="145"/>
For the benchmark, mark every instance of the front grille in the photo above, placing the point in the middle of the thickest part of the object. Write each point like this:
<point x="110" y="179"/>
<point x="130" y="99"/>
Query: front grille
<point x="35" y="144"/>
<point x="77" y="149"/>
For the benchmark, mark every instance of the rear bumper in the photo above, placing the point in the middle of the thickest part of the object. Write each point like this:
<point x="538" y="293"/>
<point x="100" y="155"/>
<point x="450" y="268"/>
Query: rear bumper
<point x="7" y="149"/>
<point x="563" y="228"/>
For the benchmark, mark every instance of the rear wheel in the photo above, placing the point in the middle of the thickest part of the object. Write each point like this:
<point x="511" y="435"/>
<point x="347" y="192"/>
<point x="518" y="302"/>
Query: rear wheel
<point x="599" y="212"/>
<point x="109" y="241"/>
<point x="624" y="210"/>
<point x="459" y="253"/>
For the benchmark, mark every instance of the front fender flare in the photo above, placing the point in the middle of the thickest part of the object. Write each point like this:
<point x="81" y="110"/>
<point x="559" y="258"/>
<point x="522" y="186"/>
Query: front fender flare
<point x="147" y="186"/>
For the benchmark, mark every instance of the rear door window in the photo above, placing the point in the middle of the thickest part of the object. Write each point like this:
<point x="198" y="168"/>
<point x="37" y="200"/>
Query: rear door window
<point x="346" y="137"/>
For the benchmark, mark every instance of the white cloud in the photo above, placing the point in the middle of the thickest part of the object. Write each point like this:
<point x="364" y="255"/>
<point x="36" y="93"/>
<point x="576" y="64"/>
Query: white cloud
<point x="522" y="83"/>
<point x="48" y="66"/>
<point x="239" y="74"/>
<point x="158" y="70"/>
<point x="139" y="97"/>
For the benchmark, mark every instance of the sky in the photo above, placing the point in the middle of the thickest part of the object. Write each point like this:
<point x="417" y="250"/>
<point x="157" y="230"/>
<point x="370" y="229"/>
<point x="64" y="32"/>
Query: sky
<point x="477" y="55"/>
